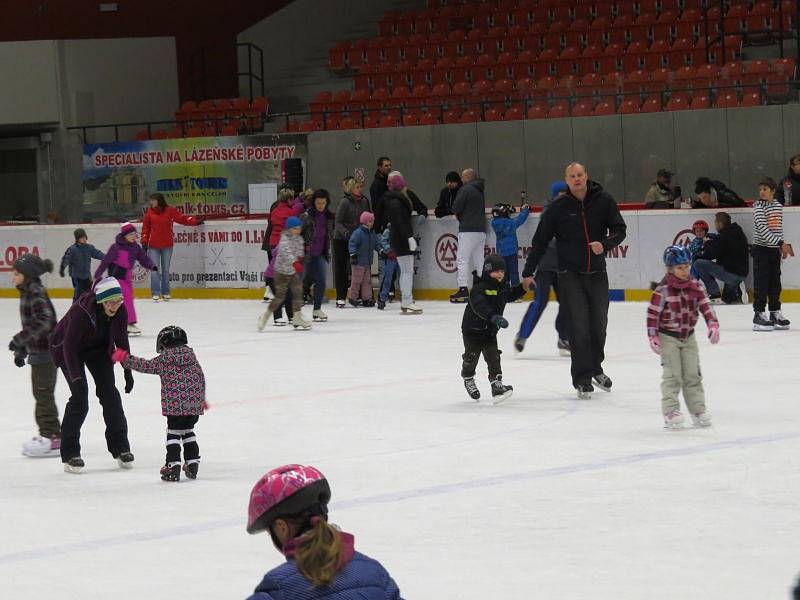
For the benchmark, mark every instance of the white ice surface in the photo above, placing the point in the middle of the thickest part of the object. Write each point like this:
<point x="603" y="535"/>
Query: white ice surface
<point x="543" y="496"/>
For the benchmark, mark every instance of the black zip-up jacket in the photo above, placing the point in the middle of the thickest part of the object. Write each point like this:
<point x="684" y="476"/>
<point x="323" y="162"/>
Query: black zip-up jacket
<point x="446" y="198"/>
<point x="729" y="248"/>
<point x="575" y="225"/>
<point x="397" y="210"/>
<point x="487" y="298"/>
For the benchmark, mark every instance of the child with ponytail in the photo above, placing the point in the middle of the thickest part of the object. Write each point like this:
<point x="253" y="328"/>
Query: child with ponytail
<point x="291" y="503"/>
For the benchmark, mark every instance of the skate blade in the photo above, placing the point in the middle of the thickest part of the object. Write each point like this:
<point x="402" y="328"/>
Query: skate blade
<point x="498" y="399"/>
<point x="584" y="395"/>
<point x="50" y="454"/>
<point x="131" y="334"/>
<point x="301" y="327"/>
<point x="73" y="470"/>
<point x="678" y="427"/>
<point x="764" y="328"/>
<point x="320" y="320"/>
<point x="566" y="353"/>
<point x="124" y="465"/>
<point x="782" y="327"/>
<point x="410" y="312"/>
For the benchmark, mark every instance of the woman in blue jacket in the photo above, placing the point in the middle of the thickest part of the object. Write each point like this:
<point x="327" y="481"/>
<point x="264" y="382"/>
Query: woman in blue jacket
<point x="291" y="503"/>
<point x="505" y="230"/>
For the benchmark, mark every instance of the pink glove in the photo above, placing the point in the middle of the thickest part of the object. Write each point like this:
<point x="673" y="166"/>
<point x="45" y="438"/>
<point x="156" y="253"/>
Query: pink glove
<point x="713" y="333"/>
<point x="655" y="344"/>
<point x="119" y="355"/>
<point x="205" y="405"/>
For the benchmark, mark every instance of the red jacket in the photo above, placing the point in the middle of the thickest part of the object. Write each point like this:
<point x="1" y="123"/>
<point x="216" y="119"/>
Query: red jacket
<point x="674" y="307"/>
<point x="157" y="226"/>
<point x="278" y="217"/>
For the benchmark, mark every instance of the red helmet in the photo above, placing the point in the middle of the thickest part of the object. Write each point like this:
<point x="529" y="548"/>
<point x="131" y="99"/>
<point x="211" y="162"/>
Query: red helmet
<point x="284" y="491"/>
<point x="700" y="224"/>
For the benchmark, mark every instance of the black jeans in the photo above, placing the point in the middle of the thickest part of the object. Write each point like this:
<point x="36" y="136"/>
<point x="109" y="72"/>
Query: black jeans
<point x="585" y="297"/>
<point x="102" y="371"/>
<point x="766" y="278"/>
<point x="316" y="269"/>
<point x="341" y="268"/>
<point x="180" y="432"/>
<point x="474" y="345"/>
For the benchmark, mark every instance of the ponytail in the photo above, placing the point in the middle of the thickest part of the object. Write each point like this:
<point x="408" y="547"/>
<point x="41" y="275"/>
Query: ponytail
<point x="318" y="553"/>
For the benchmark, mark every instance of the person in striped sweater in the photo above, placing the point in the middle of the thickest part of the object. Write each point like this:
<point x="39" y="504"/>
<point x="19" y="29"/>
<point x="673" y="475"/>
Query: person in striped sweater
<point x="768" y="251"/>
<point x="671" y="317"/>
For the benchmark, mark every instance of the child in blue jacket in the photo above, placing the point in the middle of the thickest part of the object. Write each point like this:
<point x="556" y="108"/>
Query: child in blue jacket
<point x="362" y="246"/>
<point x="388" y="257"/>
<point x="505" y="230"/>
<point x="291" y="503"/>
<point x="78" y="258"/>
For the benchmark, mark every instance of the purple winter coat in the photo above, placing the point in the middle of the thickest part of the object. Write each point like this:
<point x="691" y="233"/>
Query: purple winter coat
<point x="73" y="332"/>
<point x="123" y="254"/>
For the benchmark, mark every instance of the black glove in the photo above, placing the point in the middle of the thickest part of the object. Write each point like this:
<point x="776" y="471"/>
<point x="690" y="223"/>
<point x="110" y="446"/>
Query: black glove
<point x="353" y="259"/>
<point x="13" y="346"/>
<point x="129" y="380"/>
<point x="155" y="269"/>
<point x="117" y="272"/>
<point x="144" y="247"/>
<point x="19" y="359"/>
<point x="499" y="321"/>
<point x="61" y="272"/>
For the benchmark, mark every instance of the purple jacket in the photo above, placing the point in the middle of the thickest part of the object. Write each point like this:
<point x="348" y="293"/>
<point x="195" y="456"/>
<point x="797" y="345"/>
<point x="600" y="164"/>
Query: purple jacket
<point x="123" y="254"/>
<point x="75" y="329"/>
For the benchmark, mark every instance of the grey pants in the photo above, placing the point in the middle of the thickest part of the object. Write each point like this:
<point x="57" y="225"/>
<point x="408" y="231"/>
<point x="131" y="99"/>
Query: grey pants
<point x="681" y="363"/>
<point x="282" y="283"/>
<point x="43" y="380"/>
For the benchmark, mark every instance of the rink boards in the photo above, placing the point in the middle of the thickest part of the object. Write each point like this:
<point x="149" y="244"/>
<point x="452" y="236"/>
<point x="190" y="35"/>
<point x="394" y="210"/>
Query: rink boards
<point x="223" y="259"/>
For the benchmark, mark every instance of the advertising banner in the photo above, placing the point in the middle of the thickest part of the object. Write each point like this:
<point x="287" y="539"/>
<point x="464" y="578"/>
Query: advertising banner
<point x="200" y="176"/>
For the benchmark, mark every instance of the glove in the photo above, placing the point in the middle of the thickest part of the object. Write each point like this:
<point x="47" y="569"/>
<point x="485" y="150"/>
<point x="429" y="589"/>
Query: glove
<point x="391" y="255"/>
<point x="144" y="247"/>
<point x="205" y="405"/>
<point x="412" y="244"/>
<point x="298" y="266"/>
<point x="119" y="355"/>
<point x="61" y="272"/>
<point x="499" y="321"/>
<point x="117" y="272"/>
<point x="155" y="269"/>
<point x="13" y="346"/>
<point x="353" y="259"/>
<point x="19" y="359"/>
<point x="713" y="333"/>
<point x="128" y="381"/>
<point x="655" y="344"/>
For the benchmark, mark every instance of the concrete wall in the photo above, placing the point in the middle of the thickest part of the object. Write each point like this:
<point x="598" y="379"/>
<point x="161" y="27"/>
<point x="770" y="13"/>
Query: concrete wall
<point x="622" y="152"/>
<point x="29" y="94"/>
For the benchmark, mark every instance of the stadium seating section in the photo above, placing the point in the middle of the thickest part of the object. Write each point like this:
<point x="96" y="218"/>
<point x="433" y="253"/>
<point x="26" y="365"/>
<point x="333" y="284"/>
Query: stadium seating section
<point x="461" y="62"/>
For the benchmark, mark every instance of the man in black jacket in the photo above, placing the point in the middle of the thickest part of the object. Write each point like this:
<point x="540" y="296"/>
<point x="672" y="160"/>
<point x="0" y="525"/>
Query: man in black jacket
<point x="729" y="249"/>
<point x="379" y="186"/>
<point x="447" y="196"/>
<point x="715" y="194"/>
<point x="586" y="223"/>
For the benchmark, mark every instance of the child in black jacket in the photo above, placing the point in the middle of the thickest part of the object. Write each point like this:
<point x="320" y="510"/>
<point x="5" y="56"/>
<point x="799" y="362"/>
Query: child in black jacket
<point x="483" y="318"/>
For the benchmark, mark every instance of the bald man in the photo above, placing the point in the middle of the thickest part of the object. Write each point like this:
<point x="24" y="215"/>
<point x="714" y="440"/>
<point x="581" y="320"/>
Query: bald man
<point x="469" y="209"/>
<point x="586" y="223"/>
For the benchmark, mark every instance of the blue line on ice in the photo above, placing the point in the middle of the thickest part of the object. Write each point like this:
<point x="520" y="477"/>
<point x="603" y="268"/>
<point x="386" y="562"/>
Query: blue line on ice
<point x="422" y="492"/>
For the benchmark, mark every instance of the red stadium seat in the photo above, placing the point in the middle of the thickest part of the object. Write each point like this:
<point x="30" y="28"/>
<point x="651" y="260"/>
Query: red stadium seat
<point x="604" y="107"/>
<point x="514" y="113"/>
<point x="388" y="121"/>
<point x="451" y="116"/>
<point x="428" y="119"/>
<point x="470" y="116"/>
<point x="751" y="99"/>
<point x="651" y="104"/>
<point x="560" y="110"/>
<point x="727" y="100"/>
<point x="538" y="111"/>
<point x="493" y="114"/>
<point x="582" y="109"/>
<point x="629" y="106"/>
<point x="678" y="101"/>
<point x="700" y="101"/>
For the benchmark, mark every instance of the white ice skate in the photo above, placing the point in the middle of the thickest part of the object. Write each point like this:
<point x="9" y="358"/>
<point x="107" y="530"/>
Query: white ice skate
<point x="262" y="319"/>
<point x="318" y="315"/>
<point x="779" y="320"/>
<point x="743" y="289"/>
<point x="411" y="309"/>
<point x="166" y="297"/>
<point x="74" y="465"/>
<point x="584" y="391"/>
<point x="300" y="323"/>
<point x="42" y="447"/>
<point x="673" y="420"/>
<point x="701" y="419"/>
<point x="156" y="298"/>
<point x="134" y="330"/>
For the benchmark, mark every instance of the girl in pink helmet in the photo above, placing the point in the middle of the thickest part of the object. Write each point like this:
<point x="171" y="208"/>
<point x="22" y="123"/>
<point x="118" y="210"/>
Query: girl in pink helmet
<point x="291" y="503"/>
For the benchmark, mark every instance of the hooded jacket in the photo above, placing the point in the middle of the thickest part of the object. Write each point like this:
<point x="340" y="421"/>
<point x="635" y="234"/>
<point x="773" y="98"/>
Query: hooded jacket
<point x="157" y="226"/>
<point x="78" y="258"/>
<point x="729" y="249"/>
<point x="38" y="319"/>
<point x="348" y="214"/>
<point x="397" y="211"/>
<point x="575" y="224"/>
<point x="487" y="298"/>
<point x="788" y="192"/>
<point x="470" y="207"/>
<point x="505" y="230"/>
<point x="379" y="186"/>
<point x="120" y="258"/>
<point x="74" y="332"/>
<point x="363" y="244"/>
<point x="726" y="197"/>
<point x="183" y="385"/>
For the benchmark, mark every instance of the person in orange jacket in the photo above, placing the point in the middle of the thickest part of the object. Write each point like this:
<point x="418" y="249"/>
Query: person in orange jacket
<point x="157" y="240"/>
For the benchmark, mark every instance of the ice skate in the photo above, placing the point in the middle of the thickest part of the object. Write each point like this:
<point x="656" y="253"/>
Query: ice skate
<point x="74" y="465"/>
<point x="368" y="303"/>
<point x="166" y="297"/>
<point x="715" y="300"/>
<point x="125" y="460"/>
<point x="762" y="322"/>
<point x="701" y="419"/>
<point x="472" y="388"/>
<point x="172" y="473"/>
<point x="262" y="319"/>
<point x="280" y="322"/>
<point x="673" y="420"/>
<point x="779" y="320"/>
<point x="564" y="347"/>
<point x="319" y="316"/>
<point x="519" y="344"/>
<point x="462" y="295"/>
<point x="299" y="322"/>
<point x="584" y="391"/>
<point x="500" y="391"/>
<point x="156" y="298"/>
<point x="190" y="468"/>
<point x="381" y="304"/>
<point x="743" y="289"/>
<point x="411" y="309"/>
<point x="42" y="447"/>
<point x="603" y="381"/>
<point x="340" y="304"/>
<point x="134" y="330"/>
<point x="355" y="303"/>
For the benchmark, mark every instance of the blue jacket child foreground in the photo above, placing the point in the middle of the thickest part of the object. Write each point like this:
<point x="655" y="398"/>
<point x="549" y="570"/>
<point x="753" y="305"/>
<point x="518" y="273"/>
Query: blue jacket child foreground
<point x="505" y="230"/>
<point x="291" y="503"/>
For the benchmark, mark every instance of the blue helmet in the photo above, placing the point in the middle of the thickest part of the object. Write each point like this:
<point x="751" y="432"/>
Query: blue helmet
<point x="677" y="255"/>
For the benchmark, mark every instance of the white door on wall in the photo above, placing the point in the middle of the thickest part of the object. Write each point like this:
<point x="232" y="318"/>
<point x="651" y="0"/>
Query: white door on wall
<point x="261" y="197"/>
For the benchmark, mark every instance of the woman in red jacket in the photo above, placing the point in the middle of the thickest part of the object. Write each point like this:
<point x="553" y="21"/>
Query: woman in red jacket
<point x="157" y="241"/>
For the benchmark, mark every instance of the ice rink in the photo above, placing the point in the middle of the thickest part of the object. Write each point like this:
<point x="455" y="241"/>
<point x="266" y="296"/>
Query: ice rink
<point x="542" y="497"/>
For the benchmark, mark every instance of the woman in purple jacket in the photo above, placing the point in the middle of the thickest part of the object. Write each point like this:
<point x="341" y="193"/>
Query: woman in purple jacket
<point x="84" y="339"/>
<point x="119" y="260"/>
<point x="291" y="503"/>
<point x="317" y="233"/>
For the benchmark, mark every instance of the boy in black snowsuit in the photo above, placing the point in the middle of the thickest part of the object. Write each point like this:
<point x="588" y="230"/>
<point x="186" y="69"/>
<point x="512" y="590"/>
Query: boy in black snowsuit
<point x="483" y="318"/>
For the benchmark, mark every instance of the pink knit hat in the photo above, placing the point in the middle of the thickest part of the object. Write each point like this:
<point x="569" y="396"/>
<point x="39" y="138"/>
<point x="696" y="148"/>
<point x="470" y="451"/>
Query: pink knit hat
<point x="127" y="228"/>
<point x="396" y="181"/>
<point x="366" y="217"/>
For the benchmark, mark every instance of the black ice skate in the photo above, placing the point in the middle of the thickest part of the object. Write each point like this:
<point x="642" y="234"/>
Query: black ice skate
<point x="603" y="381"/>
<point x="519" y="344"/>
<point x="381" y="304"/>
<point x="584" y="391"/>
<point x="762" y="322"/>
<point x="462" y="295"/>
<point x="355" y="303"/>
<point x="472" y="388"/>
<point x="125" y="460"/>
<point x="779" y="320"/>
<point x="564" y="347"/>
<point x="500" y="391"/>
<point x="172" y="473"/>
<point x="190" y="468"/>
<point x="368" y="303"/>
<point x="74" y="465"/>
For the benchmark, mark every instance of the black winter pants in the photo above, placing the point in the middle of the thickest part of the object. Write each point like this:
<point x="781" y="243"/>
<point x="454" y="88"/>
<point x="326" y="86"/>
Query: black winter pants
<point x="474" y="345"/>
<point x="102" y="371"/>
<point x="341" y="268"/>
<point x="585" y="297"/>
<point x="180" y="432"/>
<point x="766" y="278"/>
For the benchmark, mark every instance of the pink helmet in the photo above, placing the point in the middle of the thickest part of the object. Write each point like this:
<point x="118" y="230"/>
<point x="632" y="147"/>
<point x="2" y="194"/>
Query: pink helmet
<point x="287" y="490"/>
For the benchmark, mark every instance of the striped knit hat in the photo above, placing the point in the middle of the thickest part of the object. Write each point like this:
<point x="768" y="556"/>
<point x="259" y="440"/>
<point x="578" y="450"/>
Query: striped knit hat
<point x="127" y="228"/>
<point x="107" y="289"/>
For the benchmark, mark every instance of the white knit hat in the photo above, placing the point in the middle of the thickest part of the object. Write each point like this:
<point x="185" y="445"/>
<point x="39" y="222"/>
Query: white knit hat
<point x="107" y="289"/>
